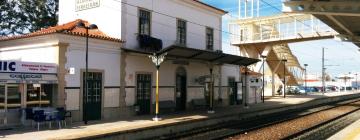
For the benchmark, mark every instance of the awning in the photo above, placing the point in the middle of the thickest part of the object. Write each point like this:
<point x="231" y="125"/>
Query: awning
<point x="216" y="57"/>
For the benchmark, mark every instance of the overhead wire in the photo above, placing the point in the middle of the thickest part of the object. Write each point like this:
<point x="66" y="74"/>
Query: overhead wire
<point x="285" y="13"/>
<point x="226" y="41"/>
<point x="172" y="27"/>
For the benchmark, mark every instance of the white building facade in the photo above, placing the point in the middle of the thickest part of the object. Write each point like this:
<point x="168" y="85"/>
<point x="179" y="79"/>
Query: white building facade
<point x="42" y="77"/>
<point x="124" y="76"/>
<point x="174" y="22"/>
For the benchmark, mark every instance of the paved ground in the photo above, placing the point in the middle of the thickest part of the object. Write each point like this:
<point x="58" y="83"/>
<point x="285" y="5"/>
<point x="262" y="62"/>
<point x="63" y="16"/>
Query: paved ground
<point x="77" y="130"/>
<point x="351" y="132"/>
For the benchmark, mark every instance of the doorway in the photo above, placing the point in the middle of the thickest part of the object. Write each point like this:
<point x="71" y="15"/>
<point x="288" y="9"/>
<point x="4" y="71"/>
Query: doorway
<point x="232" y="91"/>
<point x="10" y="104"/>
<point x="181" y="89"/>
<point x="93" y="100"/>
<point x="143" y="93"/>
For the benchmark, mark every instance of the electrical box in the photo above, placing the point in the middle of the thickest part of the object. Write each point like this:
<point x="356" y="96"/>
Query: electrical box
<point x="255" y="82"/>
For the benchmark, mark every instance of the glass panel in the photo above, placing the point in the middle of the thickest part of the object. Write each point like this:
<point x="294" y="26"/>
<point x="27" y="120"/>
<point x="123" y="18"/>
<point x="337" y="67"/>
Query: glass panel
<point x="209" y="39"/>
<point x="144" y="22"/>
<point x="2" y="97"/>
<point x="13" y="96"/>
<point x="32" y="96"/>
<point x="181" y="31"/>
<point x="46" y="93"/>
<point x="88" y="96"/>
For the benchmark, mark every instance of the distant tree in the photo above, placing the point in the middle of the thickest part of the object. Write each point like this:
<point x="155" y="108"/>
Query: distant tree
<point x="23" y="16"/>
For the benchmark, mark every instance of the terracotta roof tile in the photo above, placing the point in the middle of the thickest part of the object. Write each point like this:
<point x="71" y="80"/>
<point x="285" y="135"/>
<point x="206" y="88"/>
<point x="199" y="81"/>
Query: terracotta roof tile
<point x="67" y="28"/>
<point x="250" y="72"/>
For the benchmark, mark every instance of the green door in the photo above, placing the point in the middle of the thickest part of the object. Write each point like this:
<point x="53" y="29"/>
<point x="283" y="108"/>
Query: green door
<point x="143" y="93"/>
<point x="180" y="92"/>
<point x="92" y="101"/>
<point x="232" y="91"/>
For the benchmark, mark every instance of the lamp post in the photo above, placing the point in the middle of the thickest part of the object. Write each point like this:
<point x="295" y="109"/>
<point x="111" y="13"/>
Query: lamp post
<point x="350" y="80"/>
<point x="87" y="28"/>
<point x="284" y="61"/>
<point x="356" y="84"/>
<point x="305" y="65"/>
<point x="211" y="93"/>
<point x="157" y="60"/>
<point x="263" y="78"/>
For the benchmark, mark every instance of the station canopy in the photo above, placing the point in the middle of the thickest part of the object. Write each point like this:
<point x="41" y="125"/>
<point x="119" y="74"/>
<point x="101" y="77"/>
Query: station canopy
<point x="175" y="52"/>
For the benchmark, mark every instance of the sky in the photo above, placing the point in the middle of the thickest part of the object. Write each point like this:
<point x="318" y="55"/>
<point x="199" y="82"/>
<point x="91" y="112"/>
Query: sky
<point x="340" y="57"/>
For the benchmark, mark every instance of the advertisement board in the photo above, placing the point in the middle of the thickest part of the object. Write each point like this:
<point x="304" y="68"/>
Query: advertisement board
<point x="27" y="67"/>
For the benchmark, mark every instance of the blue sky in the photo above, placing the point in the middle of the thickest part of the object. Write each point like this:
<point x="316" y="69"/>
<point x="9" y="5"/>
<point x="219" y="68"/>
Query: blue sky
<point x="342" y="57"/>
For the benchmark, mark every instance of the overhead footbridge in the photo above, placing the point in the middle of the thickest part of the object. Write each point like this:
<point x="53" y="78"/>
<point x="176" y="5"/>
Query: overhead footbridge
<point x="278" y="29"/>
<point x="268" y="37"/>
<point x="341" y="15"/>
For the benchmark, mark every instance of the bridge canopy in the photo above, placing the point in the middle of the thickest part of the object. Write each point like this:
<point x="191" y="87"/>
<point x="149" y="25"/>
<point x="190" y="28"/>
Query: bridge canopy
<point x="278" y="29"/>
<point x="343" y="16"/>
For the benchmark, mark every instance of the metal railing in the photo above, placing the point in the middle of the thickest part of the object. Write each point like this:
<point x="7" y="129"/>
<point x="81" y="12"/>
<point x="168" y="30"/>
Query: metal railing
<point x="277" y="28"/>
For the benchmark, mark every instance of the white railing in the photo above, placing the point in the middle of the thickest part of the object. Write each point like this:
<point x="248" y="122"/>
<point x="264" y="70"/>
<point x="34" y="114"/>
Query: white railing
<point x="278" y="29"/>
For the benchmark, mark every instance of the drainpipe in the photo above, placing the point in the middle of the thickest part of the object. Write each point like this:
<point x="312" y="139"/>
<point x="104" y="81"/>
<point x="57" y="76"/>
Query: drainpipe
<point x="220" y="84"/>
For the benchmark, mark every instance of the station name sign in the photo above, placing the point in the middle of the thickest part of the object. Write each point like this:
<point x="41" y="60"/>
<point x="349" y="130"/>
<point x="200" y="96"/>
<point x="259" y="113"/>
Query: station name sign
<point x="86" y="4"/>
<point x="27" y="67"/>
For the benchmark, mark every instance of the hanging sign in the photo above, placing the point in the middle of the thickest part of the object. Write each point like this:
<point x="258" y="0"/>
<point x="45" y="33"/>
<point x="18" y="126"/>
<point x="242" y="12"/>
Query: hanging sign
<point x="27" y="67"/>
<point x="86" y="4"/>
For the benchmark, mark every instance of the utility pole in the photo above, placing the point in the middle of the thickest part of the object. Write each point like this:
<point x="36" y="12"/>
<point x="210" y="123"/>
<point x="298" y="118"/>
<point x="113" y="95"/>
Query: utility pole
<point x="305" y="79"/>
<point x="323" y="71"/>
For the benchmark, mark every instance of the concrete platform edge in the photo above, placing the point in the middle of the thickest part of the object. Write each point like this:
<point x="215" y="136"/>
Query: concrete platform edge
<point x="171" y="128"/>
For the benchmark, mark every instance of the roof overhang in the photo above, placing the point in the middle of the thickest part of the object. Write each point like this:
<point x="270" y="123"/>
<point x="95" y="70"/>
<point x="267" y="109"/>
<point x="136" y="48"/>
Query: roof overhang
<point x="207" y="7"/>
<point x="214" y="57"/>
<point x="342" y="16"/>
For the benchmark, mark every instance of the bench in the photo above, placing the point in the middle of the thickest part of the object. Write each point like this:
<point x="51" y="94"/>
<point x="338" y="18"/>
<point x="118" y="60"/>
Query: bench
<point x="167" y="105"/>
<point x="196" y="103"/>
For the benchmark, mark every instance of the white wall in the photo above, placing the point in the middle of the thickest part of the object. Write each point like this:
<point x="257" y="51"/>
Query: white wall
<point x="121" y="20"/>
<point x="103" y="55"/>
<point x="230" y="71"/>
<point x="44" y="50"/>
<point x="164" y="27"/>
<point x="167" y="77"/>
<point x="107" y="16"/>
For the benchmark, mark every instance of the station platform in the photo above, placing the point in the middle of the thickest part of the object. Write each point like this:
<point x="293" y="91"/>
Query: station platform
<point x="139" y="127"/>
<point x="351" y="132"/>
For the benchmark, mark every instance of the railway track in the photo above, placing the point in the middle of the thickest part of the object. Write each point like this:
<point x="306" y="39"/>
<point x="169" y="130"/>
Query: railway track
<point x="282" y="125"/>
<point x="327" y="129"/>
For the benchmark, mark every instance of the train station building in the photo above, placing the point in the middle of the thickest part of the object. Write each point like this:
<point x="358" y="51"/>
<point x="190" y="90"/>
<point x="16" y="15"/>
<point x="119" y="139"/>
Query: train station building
<point x="51" y="65"/>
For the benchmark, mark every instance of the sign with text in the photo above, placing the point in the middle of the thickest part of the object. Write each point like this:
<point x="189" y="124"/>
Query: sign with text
<point x="86" y="4"/>
<point x="27" y="77"/>
<point x="27" y="67"/>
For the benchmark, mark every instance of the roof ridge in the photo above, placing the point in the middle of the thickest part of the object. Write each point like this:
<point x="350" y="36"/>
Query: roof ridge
<point x="66" y="28"/>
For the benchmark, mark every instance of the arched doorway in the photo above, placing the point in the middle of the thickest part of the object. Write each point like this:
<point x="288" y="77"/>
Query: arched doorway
<point x="180" y="88"/>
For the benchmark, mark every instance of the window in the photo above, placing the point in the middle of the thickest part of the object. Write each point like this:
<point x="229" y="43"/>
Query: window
<point x="144" y="22"/>
<point x="181" y="31"/>
<point x="2" y="97"/>
<point x="13" y="96"/>
<point x="209" y="39"/>
<point x="39" y="95"/>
